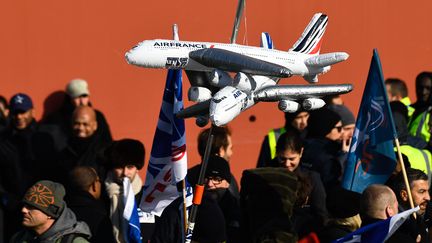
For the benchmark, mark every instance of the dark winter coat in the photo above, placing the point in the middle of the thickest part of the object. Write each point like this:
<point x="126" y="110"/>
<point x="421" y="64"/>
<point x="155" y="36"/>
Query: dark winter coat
<point x="94" y="213"/>
<point x="322" y="155"/>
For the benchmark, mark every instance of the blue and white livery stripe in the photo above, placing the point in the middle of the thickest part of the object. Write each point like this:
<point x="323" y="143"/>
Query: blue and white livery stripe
<point x="310" y="40"/>
<point x="266" y="41"/>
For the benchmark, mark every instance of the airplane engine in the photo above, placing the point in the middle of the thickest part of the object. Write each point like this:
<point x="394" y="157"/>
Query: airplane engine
<point x="219" y="78"/>
<point x="199" y="94"/>
<point x="202" y="121"/>
<point x="244" y="82"/>
<point x="248" y="83"/>
<point x="288" y="106"/>
<point x="313" y="104"/>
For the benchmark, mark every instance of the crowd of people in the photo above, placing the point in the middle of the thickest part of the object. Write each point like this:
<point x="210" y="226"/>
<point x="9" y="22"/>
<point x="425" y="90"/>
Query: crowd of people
<point x="61" y="178"/>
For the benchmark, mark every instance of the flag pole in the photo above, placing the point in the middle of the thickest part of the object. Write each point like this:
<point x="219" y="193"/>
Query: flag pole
<point x="405" y="177"/>
<point x="185" y="216"/>
<point x="199" y="187"/>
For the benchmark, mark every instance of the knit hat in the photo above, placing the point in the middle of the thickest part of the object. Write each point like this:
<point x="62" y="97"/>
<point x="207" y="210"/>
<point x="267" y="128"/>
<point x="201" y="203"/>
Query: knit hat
<point x="47" y="196"/>
<point x="342" y="203"/>
<point x="126" y="152"/>
<point x="77" y="87"/>
<point x="210" y="223"/>
<point x="345" y="114"/>
<point x="218" y="167"/>
<point x="20" y="103"/>
<point x="289" y="117"/>
<point x="321" y="122"/>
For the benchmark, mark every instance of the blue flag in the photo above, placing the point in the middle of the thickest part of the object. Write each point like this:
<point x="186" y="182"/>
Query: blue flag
<point x="379" y="231"/>
<point x="130" y="214"/>
<point x="168" y="158"/>
<point x="371" y="158"/>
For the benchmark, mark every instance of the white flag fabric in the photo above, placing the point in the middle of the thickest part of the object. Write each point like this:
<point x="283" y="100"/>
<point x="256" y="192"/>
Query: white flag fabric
<point x="379" y="231"/>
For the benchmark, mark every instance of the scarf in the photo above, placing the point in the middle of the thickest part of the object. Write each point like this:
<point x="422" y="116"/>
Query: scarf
<point x="115" y="194"/>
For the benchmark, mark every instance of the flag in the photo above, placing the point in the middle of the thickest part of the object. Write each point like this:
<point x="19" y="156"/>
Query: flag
<point x="168" y="159"/>
<point x="371" y="158"/>
<point x="130" y="214"/>
<point x="379" y="231"/>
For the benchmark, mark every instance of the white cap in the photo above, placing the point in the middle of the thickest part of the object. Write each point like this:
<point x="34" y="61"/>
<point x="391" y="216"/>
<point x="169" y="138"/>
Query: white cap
<point x="77" y="87"/>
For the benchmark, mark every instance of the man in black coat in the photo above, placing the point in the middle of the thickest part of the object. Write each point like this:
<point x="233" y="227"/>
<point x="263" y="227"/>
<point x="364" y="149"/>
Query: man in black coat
<point x="324" y="139"/>
<point x="83" y="198"/>
<point x="84" y="146"/>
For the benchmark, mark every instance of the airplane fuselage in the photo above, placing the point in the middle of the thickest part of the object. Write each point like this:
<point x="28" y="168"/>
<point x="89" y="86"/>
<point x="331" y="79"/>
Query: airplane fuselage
<point x="170" y="54"/>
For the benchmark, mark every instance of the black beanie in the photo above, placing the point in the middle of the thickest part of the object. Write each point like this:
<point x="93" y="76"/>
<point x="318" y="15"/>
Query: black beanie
<point x="218" y="166"/>
<point x="210" y="223"/>
<point x="321" y="122"/>
<point x="342" y="203"/>
<point x="47" y="196"/>
<point x="126" y="152"/>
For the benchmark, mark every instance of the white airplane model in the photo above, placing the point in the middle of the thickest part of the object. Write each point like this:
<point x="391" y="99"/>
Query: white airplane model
<point x="257" y="69"/>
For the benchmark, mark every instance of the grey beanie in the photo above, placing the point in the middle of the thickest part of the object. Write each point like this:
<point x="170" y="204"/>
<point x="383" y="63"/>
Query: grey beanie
<point x="47" y="196"/>
<point x="346" y="115"/>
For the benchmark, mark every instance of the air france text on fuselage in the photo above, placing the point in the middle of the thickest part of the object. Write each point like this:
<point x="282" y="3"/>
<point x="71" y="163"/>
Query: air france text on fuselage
<point x="179" y="44"/>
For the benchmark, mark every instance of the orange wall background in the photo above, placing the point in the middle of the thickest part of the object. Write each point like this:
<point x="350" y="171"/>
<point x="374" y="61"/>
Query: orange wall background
<point x="45" y="44"/>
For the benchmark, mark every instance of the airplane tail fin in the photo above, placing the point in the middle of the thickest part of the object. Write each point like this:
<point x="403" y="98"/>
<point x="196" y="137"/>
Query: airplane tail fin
<point x="310" y="41"/>
<point x="266" y="41"/>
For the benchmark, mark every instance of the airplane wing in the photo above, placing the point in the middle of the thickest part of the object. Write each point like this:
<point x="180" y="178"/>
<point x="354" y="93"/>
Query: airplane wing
<point x="201" y="108"/>
<point x="295" y="92"/>
<point x="234" y="62"/>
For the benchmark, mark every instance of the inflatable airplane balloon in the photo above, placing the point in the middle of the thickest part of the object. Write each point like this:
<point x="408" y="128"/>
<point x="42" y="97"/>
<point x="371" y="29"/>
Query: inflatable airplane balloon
<point x="258" y="69"/>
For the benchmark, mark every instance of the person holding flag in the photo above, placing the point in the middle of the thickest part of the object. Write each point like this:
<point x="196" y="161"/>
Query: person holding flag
<point x="124" y="188"/>
<point x="419" y="187"/>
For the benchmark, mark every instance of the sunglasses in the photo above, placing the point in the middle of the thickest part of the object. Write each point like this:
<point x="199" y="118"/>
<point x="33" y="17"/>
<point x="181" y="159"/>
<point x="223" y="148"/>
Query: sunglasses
<point x="339" y="128"/>
<point x="215" y="180"/>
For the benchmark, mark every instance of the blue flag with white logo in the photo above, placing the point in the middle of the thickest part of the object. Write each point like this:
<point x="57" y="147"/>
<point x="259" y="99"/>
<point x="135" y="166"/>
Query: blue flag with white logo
<point x="371" y="158"/>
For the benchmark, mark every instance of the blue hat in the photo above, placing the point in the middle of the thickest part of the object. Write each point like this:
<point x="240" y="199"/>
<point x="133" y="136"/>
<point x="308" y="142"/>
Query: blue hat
<point x="20" y="103"/>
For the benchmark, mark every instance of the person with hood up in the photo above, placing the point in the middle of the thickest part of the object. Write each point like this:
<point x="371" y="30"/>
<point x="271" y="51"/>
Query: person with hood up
<point x="46" y="217"/>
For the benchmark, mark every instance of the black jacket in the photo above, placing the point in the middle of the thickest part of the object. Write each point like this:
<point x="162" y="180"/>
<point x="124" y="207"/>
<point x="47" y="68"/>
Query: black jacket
<point x="169" y="227"/>
<point x="322" y="155"/>
<point x="78" y="152"/>
<point x="94" y="213"/>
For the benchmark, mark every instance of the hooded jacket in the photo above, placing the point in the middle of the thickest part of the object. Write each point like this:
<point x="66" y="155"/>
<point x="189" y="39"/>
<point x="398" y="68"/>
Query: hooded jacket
<point x="65" y="224"/>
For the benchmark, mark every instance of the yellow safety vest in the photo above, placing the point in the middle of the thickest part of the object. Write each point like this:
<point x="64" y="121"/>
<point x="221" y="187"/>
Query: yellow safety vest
<point x="273" y="136"/>
<point x="419" y="158"/>
<point x="406" y="101"/>
<point x="419" y="127"/>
